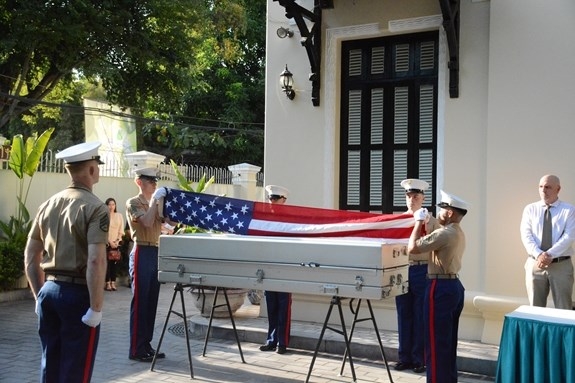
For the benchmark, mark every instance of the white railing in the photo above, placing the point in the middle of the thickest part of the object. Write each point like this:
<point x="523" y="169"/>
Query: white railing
<point x="113" y="168"/>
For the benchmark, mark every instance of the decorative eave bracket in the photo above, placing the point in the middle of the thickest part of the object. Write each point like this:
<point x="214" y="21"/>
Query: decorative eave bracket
<point x="310" y="38"/>
<point x="450" y="10"/>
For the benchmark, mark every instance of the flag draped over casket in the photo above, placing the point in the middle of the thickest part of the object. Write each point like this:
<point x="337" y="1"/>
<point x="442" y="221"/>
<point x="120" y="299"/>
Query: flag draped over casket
<point x="237" y="216"/>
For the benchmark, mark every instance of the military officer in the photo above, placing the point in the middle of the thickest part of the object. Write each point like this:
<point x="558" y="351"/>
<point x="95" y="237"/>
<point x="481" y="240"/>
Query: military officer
<point x="142" y="214"/>
<point x="444" y="294"/>
<point x="278" y="303"/>
<point x="65" y="259"/>
<point x="410" y="305"/>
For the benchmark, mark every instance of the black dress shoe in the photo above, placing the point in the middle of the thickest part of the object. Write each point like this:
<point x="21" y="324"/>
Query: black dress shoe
<point x="400" y="366"/>
<point x="282" y="350"/>
<point x="143" y="358"/>
<point x="418" y="368"/>
<point x="160" y="355"/>
<point x="268" y="347"/>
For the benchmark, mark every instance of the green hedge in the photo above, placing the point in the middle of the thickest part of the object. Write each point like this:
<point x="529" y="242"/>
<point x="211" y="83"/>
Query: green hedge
<point x="11" y="265"/>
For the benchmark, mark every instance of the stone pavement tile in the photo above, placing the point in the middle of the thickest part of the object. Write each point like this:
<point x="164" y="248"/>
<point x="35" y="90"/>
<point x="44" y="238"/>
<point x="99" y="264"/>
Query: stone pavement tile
<point x="20" y="352"/>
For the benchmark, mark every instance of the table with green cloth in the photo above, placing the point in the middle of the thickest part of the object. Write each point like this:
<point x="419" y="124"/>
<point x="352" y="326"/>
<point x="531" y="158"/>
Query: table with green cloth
<point x="537" y="346"/>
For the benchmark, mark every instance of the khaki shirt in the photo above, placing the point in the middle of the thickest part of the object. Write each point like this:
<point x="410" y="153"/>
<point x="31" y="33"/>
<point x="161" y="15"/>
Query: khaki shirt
<point x="135" y="208"/>
<point x="66" y="224"/>
<point x="429" y="227"/>
<point x="446" y="245"/>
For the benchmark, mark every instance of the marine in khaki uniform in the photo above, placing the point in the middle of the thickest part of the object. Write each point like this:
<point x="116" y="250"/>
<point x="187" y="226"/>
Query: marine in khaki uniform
<point x="142" y="213"/>
<point x="444" y="294"/>
<point x="410" y="305"/>
<point x="65" y="259"/>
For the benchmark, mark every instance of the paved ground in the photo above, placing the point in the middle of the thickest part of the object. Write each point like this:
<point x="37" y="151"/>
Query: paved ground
<point x="20" y="350"/>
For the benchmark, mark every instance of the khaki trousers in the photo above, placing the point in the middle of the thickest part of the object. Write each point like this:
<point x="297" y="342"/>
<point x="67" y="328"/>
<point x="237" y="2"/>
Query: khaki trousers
<point x="558" y="278"/>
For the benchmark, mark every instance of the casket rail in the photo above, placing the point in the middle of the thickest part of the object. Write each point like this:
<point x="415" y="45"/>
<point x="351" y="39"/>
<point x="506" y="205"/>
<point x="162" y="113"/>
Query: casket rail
<point x="349" y="268"/>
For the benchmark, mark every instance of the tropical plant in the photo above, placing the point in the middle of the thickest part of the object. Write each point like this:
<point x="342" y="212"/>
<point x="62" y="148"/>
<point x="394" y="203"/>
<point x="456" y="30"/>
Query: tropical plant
<point x="24" y="159"/>
<point x="186" y="185"/>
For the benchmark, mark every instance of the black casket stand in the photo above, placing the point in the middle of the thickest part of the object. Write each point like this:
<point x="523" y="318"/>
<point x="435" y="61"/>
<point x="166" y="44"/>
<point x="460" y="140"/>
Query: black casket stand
<point x="336" y="301"/>
<point x="178" y="288"/>
<point x="214" y="306"/>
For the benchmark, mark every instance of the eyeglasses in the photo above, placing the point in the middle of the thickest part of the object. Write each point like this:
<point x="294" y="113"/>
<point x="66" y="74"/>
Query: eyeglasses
<point x="276" y="198"/>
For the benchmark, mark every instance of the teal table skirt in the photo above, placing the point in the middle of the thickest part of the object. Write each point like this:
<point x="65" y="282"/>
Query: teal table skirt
<point x="537" y="346"/>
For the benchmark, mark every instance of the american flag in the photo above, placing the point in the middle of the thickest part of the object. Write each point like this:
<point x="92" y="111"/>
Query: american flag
<point x="237" y="216"/>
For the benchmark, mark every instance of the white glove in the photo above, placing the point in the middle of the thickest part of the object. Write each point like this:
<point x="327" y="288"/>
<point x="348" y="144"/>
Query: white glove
<point x="159" y="193"/>
<point x="92" y="318"/>
<point x="420" y="215"/>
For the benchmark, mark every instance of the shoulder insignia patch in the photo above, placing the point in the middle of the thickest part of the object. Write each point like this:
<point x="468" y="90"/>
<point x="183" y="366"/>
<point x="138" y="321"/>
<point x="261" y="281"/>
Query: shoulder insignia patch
<point x="104" y="223"/>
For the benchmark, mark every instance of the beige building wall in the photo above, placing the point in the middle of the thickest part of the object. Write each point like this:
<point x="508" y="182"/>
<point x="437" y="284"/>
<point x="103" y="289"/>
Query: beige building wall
<point x="510" y="125"/>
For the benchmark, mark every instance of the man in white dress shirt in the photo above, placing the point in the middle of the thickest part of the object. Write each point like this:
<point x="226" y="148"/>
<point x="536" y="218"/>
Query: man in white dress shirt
<point x="548" y="266"/>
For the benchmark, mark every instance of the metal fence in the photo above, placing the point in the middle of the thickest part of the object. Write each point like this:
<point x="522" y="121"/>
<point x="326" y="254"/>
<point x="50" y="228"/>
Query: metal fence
<point x="113" y="168"/>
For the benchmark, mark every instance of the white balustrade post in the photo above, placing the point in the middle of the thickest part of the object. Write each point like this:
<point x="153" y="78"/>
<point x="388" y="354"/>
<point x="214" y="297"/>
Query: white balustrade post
<point x="244" y="181"/>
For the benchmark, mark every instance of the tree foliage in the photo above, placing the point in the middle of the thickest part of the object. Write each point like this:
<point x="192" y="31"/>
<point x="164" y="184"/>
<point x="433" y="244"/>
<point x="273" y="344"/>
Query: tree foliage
<point x="138" y="49"/>
<point x="228" y="105"/>
<point x="162" y="59"/>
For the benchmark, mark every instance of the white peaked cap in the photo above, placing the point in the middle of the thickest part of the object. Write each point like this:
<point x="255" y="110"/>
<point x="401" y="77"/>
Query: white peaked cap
<point x="450" y="200"/>
<point x="277" y="190"/>
<point x="413" y="185"/>
<point x="81" y="152"/>
<point x="151" y="173"/>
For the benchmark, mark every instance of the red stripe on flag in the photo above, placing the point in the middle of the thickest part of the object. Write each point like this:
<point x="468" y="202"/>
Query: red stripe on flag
<point x="303" y="214"/>
<point x="384" y="234"/>
<point x="300" y="221"/>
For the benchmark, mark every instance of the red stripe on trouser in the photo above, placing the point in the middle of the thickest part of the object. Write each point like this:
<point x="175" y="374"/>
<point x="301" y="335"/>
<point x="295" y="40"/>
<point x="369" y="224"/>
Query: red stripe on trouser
<point x="89" y="355"/>
<point x="288" y="323"/>
<point x="134" y="345"/>
<point x="431" y="319"/>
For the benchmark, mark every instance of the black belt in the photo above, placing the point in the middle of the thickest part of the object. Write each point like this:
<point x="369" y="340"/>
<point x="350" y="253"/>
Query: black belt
<point x="67" y="278"/>
<point x="555" y="260"/>
<point x="442" y="276"/>
<point x="144" y="243"/>
<point x="418" y="263"/>
<point x="559" y="259"/>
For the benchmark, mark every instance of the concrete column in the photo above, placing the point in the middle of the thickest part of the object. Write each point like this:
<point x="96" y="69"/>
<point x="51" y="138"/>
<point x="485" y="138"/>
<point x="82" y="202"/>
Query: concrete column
<point x="244" y="181"/>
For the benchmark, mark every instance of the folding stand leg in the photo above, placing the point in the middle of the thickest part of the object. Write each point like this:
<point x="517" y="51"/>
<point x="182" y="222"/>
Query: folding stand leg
<point x="178" y="288"/>
<point x="334" y="301"/>
<point x="214" y="306"/>
<point x="372" y="318"/>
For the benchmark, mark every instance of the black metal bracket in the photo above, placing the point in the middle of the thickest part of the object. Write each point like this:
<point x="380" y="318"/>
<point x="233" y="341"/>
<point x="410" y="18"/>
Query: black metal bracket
<point x="451" y="10"/>
<point x="310" y="38"/>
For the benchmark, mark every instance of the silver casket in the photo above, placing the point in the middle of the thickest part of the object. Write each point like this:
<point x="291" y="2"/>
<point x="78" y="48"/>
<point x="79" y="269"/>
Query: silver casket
<point x="350" y="268"/>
